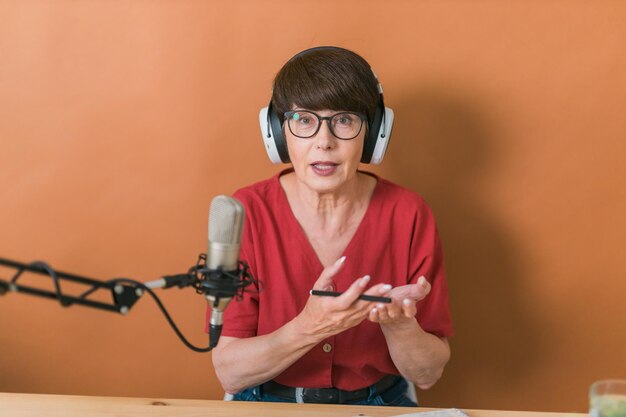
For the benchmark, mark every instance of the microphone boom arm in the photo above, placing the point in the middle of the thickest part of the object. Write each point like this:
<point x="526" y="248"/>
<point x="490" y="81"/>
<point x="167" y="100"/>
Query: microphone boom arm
<point x="123" y="296"/>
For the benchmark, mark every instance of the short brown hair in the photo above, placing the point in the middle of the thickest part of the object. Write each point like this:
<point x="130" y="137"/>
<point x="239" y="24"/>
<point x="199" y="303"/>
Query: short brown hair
<point x="326" y="78"/>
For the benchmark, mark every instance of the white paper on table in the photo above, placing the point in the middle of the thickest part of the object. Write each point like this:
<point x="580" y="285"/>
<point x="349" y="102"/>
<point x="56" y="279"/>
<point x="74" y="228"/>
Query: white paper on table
<point x="448" y="412"/>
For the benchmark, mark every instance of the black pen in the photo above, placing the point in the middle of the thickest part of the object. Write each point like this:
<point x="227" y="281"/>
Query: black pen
<point x="364" y="297"/>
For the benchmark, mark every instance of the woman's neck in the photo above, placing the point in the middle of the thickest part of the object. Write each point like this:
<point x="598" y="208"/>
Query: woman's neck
<point x="329" y="211"/>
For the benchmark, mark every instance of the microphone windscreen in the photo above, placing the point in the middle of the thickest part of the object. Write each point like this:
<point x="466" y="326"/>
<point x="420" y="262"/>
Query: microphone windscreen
<point x="225" y="220"/>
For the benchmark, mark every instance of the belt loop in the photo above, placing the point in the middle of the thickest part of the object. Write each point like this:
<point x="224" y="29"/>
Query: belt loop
<point x="372" y="392"/>
<point x="300" y="395"/>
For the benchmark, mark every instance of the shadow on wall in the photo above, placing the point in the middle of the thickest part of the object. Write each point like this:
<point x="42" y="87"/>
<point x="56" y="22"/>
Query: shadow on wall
<point x="442" y="148"/>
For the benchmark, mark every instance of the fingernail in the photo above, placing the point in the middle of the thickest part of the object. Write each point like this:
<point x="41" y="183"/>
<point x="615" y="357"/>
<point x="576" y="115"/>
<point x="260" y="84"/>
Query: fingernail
<point x="340" y="260"/>
<point x="422" y="281"/>
<point x="374" y="310"/>
<point x="385" y="288"/>
<point x="406" y="302"/>
<point x="380" y="306"/>
<point x="364" y="281"/>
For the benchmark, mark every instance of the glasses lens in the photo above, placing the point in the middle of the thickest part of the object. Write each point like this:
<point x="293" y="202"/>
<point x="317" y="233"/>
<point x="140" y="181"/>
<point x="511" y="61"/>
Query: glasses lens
<point x="346" y="125"/>
<point x="303" y="124"/>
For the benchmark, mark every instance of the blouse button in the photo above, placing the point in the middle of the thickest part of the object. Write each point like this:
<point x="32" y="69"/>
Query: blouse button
<point x="327" y="347"/>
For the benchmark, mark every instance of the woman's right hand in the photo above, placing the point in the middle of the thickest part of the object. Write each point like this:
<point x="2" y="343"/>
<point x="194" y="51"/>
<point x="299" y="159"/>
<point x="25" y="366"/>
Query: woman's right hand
<point x="323" y="317"/>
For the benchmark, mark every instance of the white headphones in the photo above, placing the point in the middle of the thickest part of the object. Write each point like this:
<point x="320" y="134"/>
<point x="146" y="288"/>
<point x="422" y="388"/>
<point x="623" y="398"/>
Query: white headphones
<point x="376" y="138"/>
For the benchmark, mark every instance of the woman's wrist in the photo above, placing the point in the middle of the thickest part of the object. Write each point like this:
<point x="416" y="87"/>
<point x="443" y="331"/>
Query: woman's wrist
<point x="404" y="328"/>
<point x="302" y="330"/>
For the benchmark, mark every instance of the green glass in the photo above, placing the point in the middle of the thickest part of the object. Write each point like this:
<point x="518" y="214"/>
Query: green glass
<point x="607" y="398"/>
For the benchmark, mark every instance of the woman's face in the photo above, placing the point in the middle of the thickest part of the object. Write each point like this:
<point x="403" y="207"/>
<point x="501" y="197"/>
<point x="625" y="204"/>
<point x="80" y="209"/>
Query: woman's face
<point x="323" y="162"/>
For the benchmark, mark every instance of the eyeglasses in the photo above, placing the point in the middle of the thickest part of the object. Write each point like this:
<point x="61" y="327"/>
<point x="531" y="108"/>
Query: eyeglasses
<point x="344" y="125"/>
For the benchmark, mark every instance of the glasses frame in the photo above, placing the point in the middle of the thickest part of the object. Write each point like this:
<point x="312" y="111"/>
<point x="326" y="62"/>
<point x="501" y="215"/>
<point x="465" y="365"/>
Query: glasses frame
<point x="320" y="119"/>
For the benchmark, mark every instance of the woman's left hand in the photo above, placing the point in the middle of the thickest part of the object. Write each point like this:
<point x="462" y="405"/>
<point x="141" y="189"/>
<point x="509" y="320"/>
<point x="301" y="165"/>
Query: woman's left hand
<point x="402" y="308"/>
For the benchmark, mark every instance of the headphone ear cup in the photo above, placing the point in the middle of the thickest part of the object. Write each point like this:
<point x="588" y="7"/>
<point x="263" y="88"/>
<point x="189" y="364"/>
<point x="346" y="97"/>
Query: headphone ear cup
<point x="273" y="137"/>
<point x="279" y="137"/>
<point x="384" y="134"/>
<point x="373" y="133"/>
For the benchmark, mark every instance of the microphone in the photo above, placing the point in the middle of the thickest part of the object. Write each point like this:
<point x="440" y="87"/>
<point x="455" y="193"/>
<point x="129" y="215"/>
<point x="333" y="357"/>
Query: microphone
<point x="222" y="279"/>
<point x="219" y="275"/>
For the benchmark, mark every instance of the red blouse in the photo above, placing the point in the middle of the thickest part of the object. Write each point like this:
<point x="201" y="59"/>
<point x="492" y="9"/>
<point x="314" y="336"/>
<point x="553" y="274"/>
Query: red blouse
<point x="395" y="243"/>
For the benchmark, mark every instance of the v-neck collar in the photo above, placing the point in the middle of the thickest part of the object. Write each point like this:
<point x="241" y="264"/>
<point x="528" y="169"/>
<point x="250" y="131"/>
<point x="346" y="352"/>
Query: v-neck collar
<point x="289" y="216"/>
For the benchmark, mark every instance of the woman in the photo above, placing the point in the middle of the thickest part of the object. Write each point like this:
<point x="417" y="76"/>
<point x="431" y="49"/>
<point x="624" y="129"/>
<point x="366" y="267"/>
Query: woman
<point x="323" y="224"/>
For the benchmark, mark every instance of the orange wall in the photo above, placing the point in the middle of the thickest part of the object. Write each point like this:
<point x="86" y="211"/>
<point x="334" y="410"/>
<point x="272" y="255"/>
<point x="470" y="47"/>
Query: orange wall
<point x="120" y="120"/>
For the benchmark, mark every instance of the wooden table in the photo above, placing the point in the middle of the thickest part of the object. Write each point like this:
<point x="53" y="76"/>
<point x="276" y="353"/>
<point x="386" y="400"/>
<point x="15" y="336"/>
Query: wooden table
<point x="40" y="405"/>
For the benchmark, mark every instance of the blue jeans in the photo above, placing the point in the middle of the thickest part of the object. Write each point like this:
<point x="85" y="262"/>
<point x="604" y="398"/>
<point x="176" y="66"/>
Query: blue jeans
<point x="394" y="396"/>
